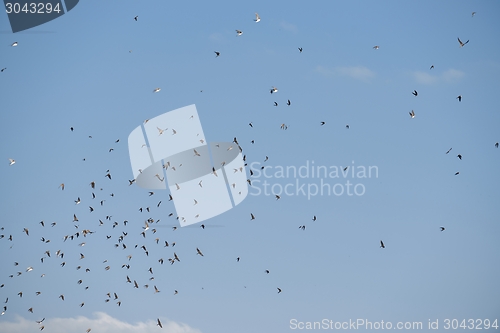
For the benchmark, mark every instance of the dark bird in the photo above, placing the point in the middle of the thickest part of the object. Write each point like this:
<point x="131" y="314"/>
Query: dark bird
<point x="1" y="70"/>
<point x="322" y="123"/>
<point x="300" y="49"/>
<point x="432" y="66"/>
<point x="415" y="93"/>
<point x="459" y="156"/>
<point x="136" y="18"/>
<point x="288" y="102"/>
<point x="279" y="290"/>
<point x="267" y="271"/>
<point x="252" y="216"/>
<point x="217" y="54"/>
<point x="449" y="150"/>
<point x="314" y="218"/>
<point x="462" y="44"/>
<point x="303" y="227"/>
<point x="250" y="124"/>
<point x="158" y="322"/>
<point x="71" y="128"/>
<point x="347" y="126"/>
<point x="459" y="97"/>
<point x="275" y="104"/>
<point x="496" y="145"/>
<point x="382" y="245"/>
<point x="442" y="228"/>
<point x="202" y="226"/>
<point x="457" y="173"/>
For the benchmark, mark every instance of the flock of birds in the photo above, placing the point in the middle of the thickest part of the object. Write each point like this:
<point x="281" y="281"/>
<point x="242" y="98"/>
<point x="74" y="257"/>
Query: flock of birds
<point x="148" y="228"/>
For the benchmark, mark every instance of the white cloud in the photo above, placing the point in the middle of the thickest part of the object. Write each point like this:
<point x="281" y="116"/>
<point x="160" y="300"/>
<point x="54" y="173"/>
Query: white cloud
<point x="356" y="72"/>
<point x="288" y="26"/>
<point x="449" y="76"/>
<point x="101" y="323"/>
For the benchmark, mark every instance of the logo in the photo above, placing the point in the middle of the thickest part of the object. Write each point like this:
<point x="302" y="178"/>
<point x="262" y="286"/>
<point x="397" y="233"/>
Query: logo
<point x="26" y="14"/>
<point x="205" y="180"/>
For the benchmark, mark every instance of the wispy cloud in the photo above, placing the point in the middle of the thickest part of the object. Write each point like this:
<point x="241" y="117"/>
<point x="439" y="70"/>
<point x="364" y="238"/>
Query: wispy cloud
<point x="216" y="37"/>
<point x="288" y="26"/>
<point x="101" y="323"/>
<point x="449" y="76"/>
<point x="356" y="72"/>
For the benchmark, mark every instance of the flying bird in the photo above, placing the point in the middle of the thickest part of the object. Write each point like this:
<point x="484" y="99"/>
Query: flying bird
<point x="300" y="50"/>
<point x="252" y="216"/>
<point x="156" y="90"/>
<point x="199" y="252"/>
<point x="62" y="186"/>
<point x="136" y="18"/>
<point x="462" y="44"/>
<point x="322" y="123"/>
<point x="239" y="32"/>
<point x="275" y="104"/>
<point x="473" y="13"/>
<point x="459" y="156"/>
<point x="415" y="93"/>
<point x="449" y="150"/>
<point x="442" y="228"/>
<point x="376" y="47"/>
<point x="288" y="102"/>
<point x="412" y="114"/>
<point x="457" y="173"/>
<point x="382" y="245"/>
<point x="1" y="70"/>
<point x="459" y="97"/>
<point x="274" y="90"/>
<point x="217" y="54"/>
<point x="279" y="290"/>
<point x="257" y="18"/>
<point x="158" y="323"/>
<point x="432" y="66"/>
<point x="12" y="161"/>
<point x="496" y="145"/>
<point x="314" y="218"/>
<point x="14" y="44"/>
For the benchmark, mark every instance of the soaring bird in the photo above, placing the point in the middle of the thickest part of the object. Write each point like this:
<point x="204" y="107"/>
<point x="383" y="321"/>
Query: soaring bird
<point x="459" y="156"/>
<point x="199" y="252"/>
<point x="252" y="216"/>
<point x="449" y="150"/>
<point x="382" y="245"/>
<point x="279" y="290"/>
<point x="136" y="18"/>
<point x="473" y="13"/>
<point x="300" y="49"/>
<point x="322" y="123"/>
<point x="288" y="102"/>
<point x="415" y="93"/>
<point x="62" y="186"/>
<point x="1" y="70"/>
<point x="496" y="145"/>
<point x="412" y="114"/>
<point x="442" y="228"/>
<point x="462" y="44"/>
<point x="257" y="18"/>
<point x="275" y="103"/>
<point x="432" y="66"/>
<point x="156" y="90"/>
<point x="14" y="44"/>
<point x="274" y="90"/>
<point x="376" y="47"/>
<point x="239" y="32"/>
<point x="459" y="97"/>
<point x="12" y="161"/>
<point x="217" y="54"/>
<point x="314" y="218"/>
<point x="158" y="322"/>
<point x="457" y="173"/>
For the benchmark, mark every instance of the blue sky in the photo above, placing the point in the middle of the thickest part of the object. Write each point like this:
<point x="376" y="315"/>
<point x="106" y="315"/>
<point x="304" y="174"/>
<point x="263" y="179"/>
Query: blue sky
<point x="77" y="71"/>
